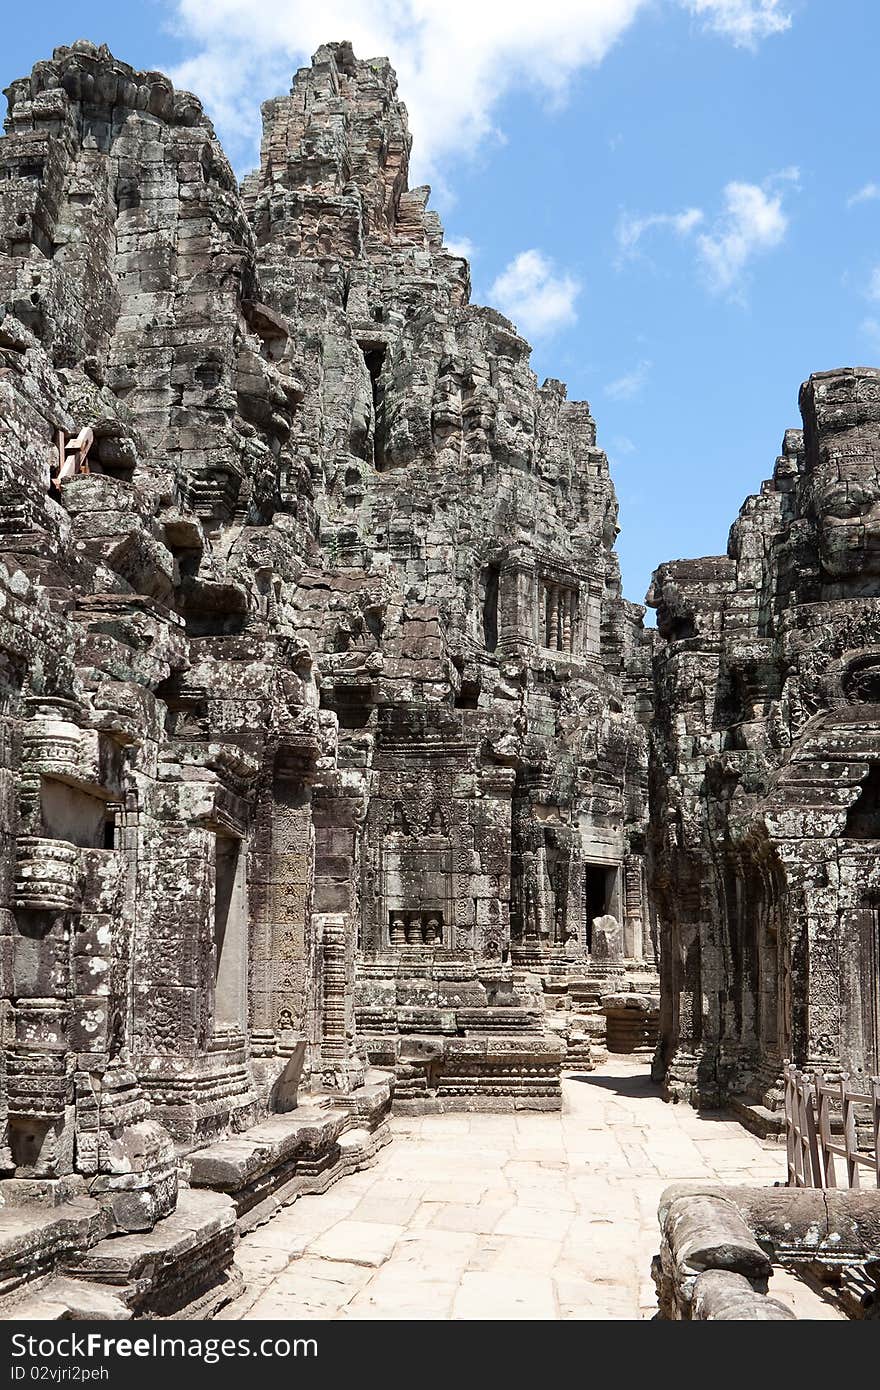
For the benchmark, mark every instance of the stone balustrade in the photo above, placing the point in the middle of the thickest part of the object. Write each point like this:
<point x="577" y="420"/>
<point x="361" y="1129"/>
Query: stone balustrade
<point x="719" y="1247"/>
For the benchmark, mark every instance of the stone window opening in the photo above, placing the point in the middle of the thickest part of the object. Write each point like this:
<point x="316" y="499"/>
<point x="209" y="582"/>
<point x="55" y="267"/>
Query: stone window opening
<point x="70" y="457"/>
<point x="212" y="610"/>
<point x="489" y="582"/>
<point x="557" y="615"/>
<point x="110" y="829"/>
<point x="863" y="818"/>
<point x="374" y="359"/>
<point x="374" y="621"/>
<point x="423" y="927"/>
<point x="71" y="814"/>
<point x="469" y="696"/>
<point x="353" y="714"/>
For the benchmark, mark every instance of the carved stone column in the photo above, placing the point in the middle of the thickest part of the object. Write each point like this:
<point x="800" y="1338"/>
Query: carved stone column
<point x="567" y="607"/>
<point x="284" y="1000"/>
<point x="551" y="638"/>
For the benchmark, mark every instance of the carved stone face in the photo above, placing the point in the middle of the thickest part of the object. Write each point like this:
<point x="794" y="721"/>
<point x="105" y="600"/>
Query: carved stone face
<point x="845" y="502"/>
<point x="672" y="604"/>
<point x="662" y="596"/>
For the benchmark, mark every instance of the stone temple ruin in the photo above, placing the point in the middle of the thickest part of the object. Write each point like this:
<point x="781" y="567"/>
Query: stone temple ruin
<point x="324" y="725"/>
<point x="766" y="772"/>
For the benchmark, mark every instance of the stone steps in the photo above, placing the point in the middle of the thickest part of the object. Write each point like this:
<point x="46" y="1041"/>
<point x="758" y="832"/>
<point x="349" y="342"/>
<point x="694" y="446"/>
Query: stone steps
<point x="59" y="1262"/>
<point x="64" y="1299"/>
<point x="181" y="1265"/>
<point x="34" y="1238"/>
<point x="297" y="1154"/>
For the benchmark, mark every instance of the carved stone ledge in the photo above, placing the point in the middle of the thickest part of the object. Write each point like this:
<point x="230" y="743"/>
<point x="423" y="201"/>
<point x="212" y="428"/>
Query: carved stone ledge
<point x="47" y="875"/>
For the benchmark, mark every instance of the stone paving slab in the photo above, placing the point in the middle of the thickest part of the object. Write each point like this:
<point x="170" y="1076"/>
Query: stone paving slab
<point x="506" y="1216"/>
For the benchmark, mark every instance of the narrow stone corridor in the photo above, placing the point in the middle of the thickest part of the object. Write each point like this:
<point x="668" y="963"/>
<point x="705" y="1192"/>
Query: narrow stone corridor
<point x="505" y="1216"/>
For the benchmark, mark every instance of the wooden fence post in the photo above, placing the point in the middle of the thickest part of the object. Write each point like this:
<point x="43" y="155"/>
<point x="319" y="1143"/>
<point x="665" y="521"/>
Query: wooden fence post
<point x="875" y="1100"/>
<point x="789" y="1124"/>
<point x="849" y="1132"/>
<point x="829" y="1175"/>
<point x="810" y="1145"/>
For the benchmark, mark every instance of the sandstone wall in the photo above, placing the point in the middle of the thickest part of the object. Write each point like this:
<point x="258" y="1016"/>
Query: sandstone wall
<point x="764" y="770"/>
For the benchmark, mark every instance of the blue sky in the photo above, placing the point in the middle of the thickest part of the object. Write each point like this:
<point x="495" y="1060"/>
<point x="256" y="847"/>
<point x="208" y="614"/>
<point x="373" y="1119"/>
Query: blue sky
<point x="677" y="200"/>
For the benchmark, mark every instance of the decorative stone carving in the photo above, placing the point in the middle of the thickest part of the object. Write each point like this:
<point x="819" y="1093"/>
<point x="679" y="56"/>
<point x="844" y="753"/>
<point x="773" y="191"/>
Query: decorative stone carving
<point x="765" y="753"/>
<point x="318" y="740"/>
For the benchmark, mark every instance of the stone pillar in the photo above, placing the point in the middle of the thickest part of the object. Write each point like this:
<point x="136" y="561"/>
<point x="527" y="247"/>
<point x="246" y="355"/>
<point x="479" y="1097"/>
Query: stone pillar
<point x="8" y="828"/>
<point x="592" y="624"/>
<point x="283" y="995"/>
<point x="551" y="636"/>
<point x="230" y="936"/>
<point x="75" y="1104"/>
<point x="521" y="615"/>
<point x="492" y="846"/>
<point x="633" y="926"/>
<point x="568" y="604"/>
<point x="334" y="1040"/>
<point x="542" y="884"/>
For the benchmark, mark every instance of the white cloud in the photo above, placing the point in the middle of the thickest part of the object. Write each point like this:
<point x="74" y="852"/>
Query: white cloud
<point x="461" y="246"/>
<point x="753" y="222"/>
<point x="631" y="228"/>
<point x="455" y="59"/>
<point x="630" y="384"/>
<point x="868" y="193"/>
<point x="745" y="22"/>
<point x="872" y="290"/>
<point x="537" y="300"/>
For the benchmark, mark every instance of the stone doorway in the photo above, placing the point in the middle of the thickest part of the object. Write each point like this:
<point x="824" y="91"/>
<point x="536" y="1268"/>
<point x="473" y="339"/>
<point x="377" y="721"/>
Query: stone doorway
<point x="600" y="896"/>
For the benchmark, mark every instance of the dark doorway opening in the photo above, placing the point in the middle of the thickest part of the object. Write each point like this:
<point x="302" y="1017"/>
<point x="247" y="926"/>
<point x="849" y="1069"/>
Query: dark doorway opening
<point x="599" y="885"/>
<point x="374" y="359"/>
<point x="490" y="607"/>
<point x="863" y="820"/>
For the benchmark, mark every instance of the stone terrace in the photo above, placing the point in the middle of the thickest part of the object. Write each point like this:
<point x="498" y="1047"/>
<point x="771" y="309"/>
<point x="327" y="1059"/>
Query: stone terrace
<point x="506" y="1216"/>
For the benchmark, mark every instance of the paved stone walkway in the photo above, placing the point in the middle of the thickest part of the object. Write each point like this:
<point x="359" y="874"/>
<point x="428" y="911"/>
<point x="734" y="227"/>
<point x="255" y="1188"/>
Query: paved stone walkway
<point x="505" y="1216"/>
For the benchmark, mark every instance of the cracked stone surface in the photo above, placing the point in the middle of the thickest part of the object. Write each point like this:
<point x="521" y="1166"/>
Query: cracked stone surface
<point x="506" y="1216"/>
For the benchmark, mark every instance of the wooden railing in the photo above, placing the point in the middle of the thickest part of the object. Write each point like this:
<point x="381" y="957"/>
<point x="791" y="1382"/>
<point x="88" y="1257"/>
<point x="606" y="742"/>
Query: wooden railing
<point x="821" y="1126"/>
